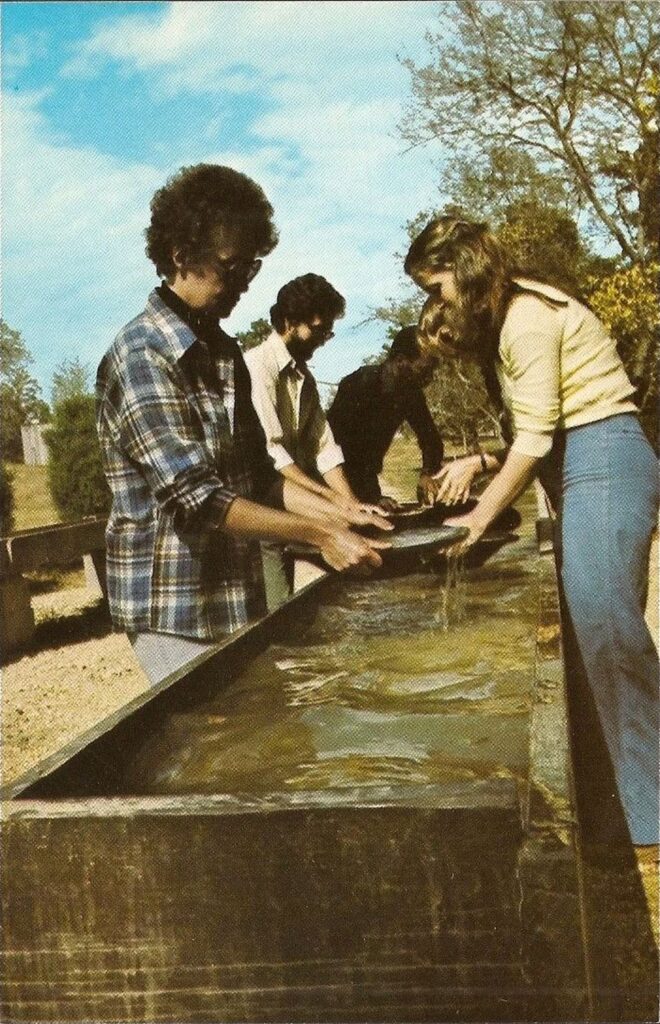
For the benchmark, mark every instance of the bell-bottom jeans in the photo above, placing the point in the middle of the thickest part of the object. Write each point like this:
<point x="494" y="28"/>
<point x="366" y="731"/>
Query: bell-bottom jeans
<point x="606" y="492"/>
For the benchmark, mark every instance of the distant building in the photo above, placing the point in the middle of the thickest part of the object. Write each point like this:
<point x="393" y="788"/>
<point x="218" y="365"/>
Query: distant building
<point x="35" y="451"/>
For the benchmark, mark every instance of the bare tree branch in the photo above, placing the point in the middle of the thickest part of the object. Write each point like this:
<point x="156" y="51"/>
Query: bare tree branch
<point x="558" y="79"/>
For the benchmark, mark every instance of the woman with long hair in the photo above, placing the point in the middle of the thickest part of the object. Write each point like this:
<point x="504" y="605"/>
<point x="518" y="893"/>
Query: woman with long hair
<point x="574" y="424"/>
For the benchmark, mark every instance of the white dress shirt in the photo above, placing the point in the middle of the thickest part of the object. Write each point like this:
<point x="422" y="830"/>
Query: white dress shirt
<point x="288" y="405"/>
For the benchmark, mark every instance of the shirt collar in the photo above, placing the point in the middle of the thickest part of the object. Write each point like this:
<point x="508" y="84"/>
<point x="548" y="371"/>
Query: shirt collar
<point x="281" y="354"/>
<point x="545" y="291"/>
<point x="175" y="333"/>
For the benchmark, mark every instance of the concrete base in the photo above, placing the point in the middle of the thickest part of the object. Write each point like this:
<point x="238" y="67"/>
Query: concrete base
<point x="16" y="615"/>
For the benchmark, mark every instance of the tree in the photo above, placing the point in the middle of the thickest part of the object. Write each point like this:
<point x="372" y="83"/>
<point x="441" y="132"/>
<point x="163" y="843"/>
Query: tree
<point x="395" y="314"/>
<point x="544" y="241"/>
<point x="501" y="180"/>
<point x="75" y="470"/>
<point x="6" y="500"/>
<point x="70" y="380"/>
<point x="572" y="85"/>
<point x="627" y="302"/>
<point x="257" y="332"/>
<point x="460" y="405"/>
<point x="20" y="394"/>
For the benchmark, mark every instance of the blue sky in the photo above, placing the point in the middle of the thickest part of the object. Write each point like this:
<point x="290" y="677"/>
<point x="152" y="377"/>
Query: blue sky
<point x="102" y="101"/>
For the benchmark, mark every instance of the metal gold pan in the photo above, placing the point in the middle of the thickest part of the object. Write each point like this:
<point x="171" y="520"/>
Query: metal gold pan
<point x="417" y="538"/>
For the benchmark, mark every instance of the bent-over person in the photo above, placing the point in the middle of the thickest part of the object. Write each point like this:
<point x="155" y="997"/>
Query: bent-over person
<point x="298" y="437"/>
<point x="369" y="407"/>
<point x="182" y="447"/>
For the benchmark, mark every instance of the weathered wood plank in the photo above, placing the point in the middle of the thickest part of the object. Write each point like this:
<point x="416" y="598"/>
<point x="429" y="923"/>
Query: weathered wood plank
<point x="54" y="545"/>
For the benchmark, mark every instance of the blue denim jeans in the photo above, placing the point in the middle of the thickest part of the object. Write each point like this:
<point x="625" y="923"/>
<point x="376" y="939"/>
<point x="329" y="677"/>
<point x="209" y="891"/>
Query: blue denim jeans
<point x="608" y="501"/>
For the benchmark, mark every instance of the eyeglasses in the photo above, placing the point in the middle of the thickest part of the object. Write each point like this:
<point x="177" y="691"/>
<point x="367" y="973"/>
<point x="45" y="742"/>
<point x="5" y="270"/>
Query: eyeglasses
<point x="321" y="332"/>
<point x="234" y="268"/>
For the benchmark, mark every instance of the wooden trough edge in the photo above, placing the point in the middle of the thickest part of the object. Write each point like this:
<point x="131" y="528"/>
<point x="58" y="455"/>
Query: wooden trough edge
<point x="482" y="794"/>
<point x="550" y="769"/>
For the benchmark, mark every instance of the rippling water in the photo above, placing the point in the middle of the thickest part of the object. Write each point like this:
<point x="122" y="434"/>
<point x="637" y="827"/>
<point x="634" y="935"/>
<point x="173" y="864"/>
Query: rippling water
<point x="422" y="678"/>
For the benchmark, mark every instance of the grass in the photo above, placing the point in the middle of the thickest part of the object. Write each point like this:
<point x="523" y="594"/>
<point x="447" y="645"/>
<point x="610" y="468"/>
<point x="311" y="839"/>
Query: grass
<point x="33" y="504"/>
<point x="401" y="469"/>
<point x="402" y="465"/>
<point x="33" y="507"/>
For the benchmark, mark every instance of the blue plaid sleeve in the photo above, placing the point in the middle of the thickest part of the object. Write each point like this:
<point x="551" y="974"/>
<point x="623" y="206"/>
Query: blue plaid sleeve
<point x="163" y="433"/>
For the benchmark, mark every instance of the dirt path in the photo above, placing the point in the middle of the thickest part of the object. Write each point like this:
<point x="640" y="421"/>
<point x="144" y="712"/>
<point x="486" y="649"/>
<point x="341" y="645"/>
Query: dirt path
<point x="77" y="672"/>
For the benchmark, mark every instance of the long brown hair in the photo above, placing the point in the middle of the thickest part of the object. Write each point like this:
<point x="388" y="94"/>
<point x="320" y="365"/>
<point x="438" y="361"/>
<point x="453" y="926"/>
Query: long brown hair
<point x="482" y="268"/>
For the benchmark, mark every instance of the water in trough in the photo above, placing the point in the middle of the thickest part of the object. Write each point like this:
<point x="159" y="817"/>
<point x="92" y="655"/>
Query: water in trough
<point x="417" y="678"/>
<point x="368" y="819"/>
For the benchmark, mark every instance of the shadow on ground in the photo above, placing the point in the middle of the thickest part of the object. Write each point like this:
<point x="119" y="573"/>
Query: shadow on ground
<point x="89" y="623"/>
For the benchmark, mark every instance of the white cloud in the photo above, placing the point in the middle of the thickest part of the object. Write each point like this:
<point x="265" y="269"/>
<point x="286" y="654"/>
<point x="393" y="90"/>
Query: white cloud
<point x="325" y="151"/>
<point x="22" y="51"/>
<point x="199" y="46"/>
<point x="72" y="245"/>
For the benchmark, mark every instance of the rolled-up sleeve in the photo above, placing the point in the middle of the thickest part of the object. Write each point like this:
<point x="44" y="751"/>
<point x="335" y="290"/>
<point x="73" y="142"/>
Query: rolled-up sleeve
<point x="159" y="430"/>
<point x="329" y="454"/>
<point x="531" y="351"/>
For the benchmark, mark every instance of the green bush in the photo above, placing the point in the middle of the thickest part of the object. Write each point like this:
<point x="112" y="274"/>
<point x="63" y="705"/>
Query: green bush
<point x="75" y="471"/>
<point x="6" y="500"/>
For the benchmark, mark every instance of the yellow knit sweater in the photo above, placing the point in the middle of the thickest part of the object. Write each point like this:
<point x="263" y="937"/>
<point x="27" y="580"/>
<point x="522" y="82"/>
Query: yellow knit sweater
<point x="559" y="367"/>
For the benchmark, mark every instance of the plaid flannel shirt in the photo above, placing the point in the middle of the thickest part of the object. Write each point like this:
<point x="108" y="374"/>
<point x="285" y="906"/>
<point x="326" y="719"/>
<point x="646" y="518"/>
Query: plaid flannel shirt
<point x="180" y="440"/>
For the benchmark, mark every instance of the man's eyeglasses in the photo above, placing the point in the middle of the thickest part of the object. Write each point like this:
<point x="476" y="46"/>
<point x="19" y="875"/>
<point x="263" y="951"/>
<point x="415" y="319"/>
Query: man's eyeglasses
<point x="234" y="268"/>
<point x="322" y="332"/>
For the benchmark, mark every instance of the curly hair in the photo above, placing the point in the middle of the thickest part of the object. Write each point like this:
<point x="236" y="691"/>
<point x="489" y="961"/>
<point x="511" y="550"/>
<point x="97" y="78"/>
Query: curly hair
<point x="188" y="212"/>
<point x="301" y="300"/>
<point x="482" y="268"/>
<point x="405" y="344"/>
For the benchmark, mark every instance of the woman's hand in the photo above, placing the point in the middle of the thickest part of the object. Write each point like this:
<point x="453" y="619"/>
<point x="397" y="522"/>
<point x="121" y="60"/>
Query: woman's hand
<point x="454" y="480"/>
<point x="476" y="527"/>
<point x="427" y="488"/>
<point x="387" y="505"/>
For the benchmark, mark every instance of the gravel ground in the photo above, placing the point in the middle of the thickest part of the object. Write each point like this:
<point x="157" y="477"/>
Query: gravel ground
<point x="68" y="681"/>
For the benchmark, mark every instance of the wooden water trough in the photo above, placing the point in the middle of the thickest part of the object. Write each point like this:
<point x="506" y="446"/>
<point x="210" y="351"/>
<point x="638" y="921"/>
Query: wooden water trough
<point x="462" y="899"/>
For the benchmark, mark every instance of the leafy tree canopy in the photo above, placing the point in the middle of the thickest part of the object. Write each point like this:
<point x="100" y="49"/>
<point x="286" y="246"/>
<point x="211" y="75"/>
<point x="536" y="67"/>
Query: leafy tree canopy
<point x="70" y="379"/>
<point x="75" y="470"/>
<point x="20" y="394"/>
<point x="6" y="500"/>
<point x="572" y="85"/>
<point x="257" y="332"/>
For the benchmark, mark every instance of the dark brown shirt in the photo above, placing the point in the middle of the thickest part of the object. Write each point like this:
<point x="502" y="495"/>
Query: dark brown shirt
<point x="365" y="415"/>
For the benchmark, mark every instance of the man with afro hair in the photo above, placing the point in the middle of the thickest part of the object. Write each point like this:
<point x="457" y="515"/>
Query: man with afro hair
<point x="193" y="489"/>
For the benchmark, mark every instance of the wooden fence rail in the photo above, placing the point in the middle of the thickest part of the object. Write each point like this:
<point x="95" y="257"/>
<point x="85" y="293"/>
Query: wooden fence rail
<point x="35" y="549"/>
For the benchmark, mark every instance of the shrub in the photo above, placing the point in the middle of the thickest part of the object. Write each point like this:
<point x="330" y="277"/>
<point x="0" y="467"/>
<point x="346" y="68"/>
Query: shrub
<point x="627" y="302"/>
<point x="75" y="470"/>
<point x="6" y="500"/>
